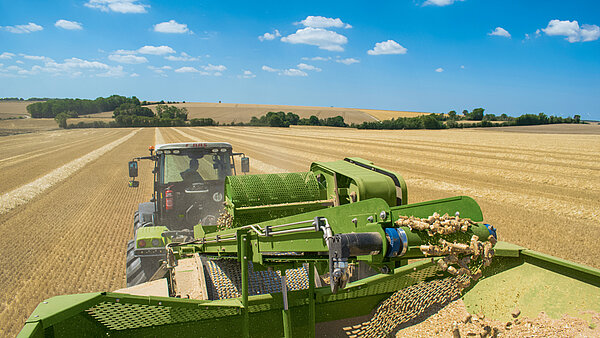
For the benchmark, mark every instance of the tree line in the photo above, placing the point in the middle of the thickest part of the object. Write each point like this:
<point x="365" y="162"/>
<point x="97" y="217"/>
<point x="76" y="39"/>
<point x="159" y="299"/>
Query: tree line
<point x="131" y="115"/>
<point x="281" y="119"/>
<point x="53" y="107"/>
<point x="477" y="115"/>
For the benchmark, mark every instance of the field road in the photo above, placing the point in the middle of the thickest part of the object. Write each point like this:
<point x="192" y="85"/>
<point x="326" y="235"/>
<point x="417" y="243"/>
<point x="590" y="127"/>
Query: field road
<point x="69" y="230"/>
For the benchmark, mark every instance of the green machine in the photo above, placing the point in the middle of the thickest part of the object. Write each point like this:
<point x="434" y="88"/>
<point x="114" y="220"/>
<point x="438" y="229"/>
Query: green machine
<point x="298" y="254"/>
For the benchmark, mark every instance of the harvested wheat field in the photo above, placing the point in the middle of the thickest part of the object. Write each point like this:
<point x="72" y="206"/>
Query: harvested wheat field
<point x="66" y="211"/>
<point x="14" y="108"/>
<point x="233" y="112"/>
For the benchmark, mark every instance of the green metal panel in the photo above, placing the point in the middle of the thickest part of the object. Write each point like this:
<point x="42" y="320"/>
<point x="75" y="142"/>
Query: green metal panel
<point x="400" y="180"/>
<point x="150" y="233"/>
<point x="352" y="178"/>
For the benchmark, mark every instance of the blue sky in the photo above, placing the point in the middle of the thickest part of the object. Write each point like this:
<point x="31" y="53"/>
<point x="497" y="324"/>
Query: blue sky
<point x="425" y="55"/>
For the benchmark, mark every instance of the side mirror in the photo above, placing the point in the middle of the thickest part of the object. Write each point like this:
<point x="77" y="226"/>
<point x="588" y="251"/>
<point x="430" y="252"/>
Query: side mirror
<point x="245" y="162"/>
<point x="133" y="168"/>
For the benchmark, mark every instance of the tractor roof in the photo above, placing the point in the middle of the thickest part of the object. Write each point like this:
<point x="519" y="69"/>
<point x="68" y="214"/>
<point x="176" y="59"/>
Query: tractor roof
<point x="189" y="145"/>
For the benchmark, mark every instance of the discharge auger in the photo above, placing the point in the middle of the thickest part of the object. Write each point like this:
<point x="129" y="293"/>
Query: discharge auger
<point x="287" y="253"/>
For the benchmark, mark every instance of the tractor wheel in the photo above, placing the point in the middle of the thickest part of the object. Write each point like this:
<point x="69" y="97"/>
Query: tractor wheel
<point x="139" y="270"/>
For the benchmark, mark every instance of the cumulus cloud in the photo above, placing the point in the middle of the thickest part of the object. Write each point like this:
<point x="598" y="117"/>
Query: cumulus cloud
<point x="187" y="70"/>
<point x="269" y="36"/>
<point x="439" y="2"/>
<point x="182" y="57"/>
<point x="462" y="67"/>
<point x="119" y="6"/>
<point x="160" y="70"/>
<point x="324" y="39"/>
<point x="213" y="68"/>
<point x="36" y="57"/>
<point x="134" y="75"/>
<point x="439" y="70"/>
<point x="127" y="58"/>
<point x="172" y="27"/>
<point x="23" y="29"/>
<point x="572" y="31"/>
<point x="293" y="72"/>
<point x="71" y="67"/>
<point x="269" y="69"/>
<point x="348" y="61"/>
<point x="247" y="75"/>
<point x="113" y="72"/>
<point x="499" y="31"/>
<point x="317" y="58"/>
<point x="69" y="25"/>
<point x="387" y="47"/>
<point x="304" y="66"/>
<point x="156" y="50"/>
<point x="6" y="55"/>
<point x="323" y="22"/>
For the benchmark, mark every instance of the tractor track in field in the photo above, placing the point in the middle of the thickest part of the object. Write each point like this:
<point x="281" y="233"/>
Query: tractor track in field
<point x="72" y="238"/>
<point x="34" y="164"/>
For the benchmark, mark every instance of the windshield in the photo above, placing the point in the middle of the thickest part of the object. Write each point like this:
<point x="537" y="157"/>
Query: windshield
<point x="196" y="166"/>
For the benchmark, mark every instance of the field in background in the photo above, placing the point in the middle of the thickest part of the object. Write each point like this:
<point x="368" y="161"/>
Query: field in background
<point x="14" y="108"/>
<point x="231" y="112"/>
<point x="540" y="190"/>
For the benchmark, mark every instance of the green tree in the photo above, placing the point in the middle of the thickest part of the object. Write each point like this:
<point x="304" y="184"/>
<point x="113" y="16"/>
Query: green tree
<point x="577" y="118"/>
<point x="477" y="114"/>
<point x="452" y="114"/>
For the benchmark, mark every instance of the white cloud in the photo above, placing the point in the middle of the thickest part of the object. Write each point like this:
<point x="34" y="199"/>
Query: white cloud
<point x="159" y="70"/>
<point x="269" y="36"/>
<point x="154" y="50"/>
<point x="124" y="52"/>
<point x="348" y="61"/>
<point x="134" y="75"/>
<point x="70" y="25"/>
<point x="213" y="68"/>
<point x="187" y="70"/>
<point x="6" y="55"/>
<point x="499" y="31"/>
<point x="305" y="66"/>
<point x="19" y="62"/>
<point x="21" y="29"/>
<point x="439" y="70"/>
<point x="387" y="47"/>
<point x="171" y="26"/>
<point x="269" y="69"/>
<point x="320" y="37"/>
<point x="462" y="67"/>
<point x="323" y="22"/>
<point x="112" y="72"/>
<point x="317" y="58"/>
<point x="119" y="6"/>
<point x="36" y="57"/>
<point x="293" y="72"/>
<point x="247" y="75"/>
<point x="572" y="31"/>
<point x="183" y="57"/>
<point x="127" y="58"/>
<point x="71" y="67"/>
<point x="439" y="2"/>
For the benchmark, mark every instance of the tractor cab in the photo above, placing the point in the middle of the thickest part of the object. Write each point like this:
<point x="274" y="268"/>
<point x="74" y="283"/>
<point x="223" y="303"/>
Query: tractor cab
<point x="189" y="182"/>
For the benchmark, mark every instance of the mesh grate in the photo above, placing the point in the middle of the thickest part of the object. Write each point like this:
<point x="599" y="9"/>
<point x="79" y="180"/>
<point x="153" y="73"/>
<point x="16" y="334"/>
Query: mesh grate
<point x="123" y="316"/>
<point x="224" y="279"/>
<point x="268" y="189"/>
